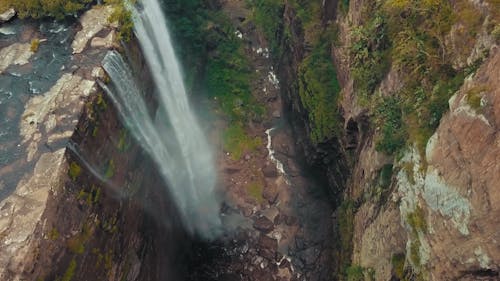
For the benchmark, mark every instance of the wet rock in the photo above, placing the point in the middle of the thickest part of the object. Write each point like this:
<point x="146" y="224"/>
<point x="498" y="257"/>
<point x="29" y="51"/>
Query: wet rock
<point x="270" y="193"/>
<point x="16" y="53"/>
<point x="21" y="212"/>
<point x="263" y="224"/>
<point x="7" y="15"/>
<point x="93" y="21"/>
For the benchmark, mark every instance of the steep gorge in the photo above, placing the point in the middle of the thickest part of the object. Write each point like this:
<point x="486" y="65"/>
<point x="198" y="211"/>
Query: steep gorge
<point x="389" y="173"/>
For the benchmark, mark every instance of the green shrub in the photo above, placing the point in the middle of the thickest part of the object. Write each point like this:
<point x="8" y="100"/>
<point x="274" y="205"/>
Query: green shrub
<point x="388" y="116"/>
<point x="355" y="273"/>
<point x="267" y="15"/>
<point x="123" y="17"/>
<point x="369" y="52"/>
<point x="45" y="8"/>
<point x="74" y="170"/>
<point x="398" y="265"/>
<point x="70" y="271"/>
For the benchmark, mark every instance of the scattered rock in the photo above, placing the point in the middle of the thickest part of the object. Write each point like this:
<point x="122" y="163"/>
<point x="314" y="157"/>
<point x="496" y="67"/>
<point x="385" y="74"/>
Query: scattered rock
<point x="7" y="15"/>
<point x="15" y="54"/>
<point x="106" y="42"/>
<point x="92" y="22"/>
<point x="276" y="114"/>
<point x="270" y="193"/>
<point x="263" y="224"/>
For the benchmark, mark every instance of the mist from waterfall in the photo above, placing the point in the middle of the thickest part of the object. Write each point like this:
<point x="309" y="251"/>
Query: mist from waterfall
<point x="172" y="137"/>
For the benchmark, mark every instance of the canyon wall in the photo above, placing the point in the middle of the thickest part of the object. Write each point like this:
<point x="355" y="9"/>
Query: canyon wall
<point x="428" y="211"/>
<point x="89" y="204"/>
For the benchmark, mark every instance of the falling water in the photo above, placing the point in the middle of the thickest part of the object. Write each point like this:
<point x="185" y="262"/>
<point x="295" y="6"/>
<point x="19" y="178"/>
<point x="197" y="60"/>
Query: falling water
<point x="173" y="137"/>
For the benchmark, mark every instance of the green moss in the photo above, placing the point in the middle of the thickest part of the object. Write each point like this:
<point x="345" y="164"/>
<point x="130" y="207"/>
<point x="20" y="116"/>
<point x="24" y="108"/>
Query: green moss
<point x="344" y="233"/>
<point x="416" y="220"/>
<point x="408" y="169"/>
<point x="110" y="169"/>
<point x="385" y="176"/>
<point x="398" y="265"/>
<point x="228" y="74"/>
<point x="54" y="234"/>
<point x="474" y="97"/>
<point x="319" y="92"/>
<point x="388" y="117"/>
<point x="355" y="273"/>
<point x="76" y="244"/>
<point x="123" y="17"/>
<point x="70" y="271"/>
<point x="74" y="170"/>
<point x="267" y="15"/>
<point x="237" y="142"/>
<point x="415" y="252"/>
<point x="123" y="142"/>
<point x="254" y="190"/>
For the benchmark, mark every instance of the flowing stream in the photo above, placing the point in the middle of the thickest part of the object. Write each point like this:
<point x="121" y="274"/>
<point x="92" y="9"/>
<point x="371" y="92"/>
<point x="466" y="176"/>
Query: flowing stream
<point x="172" y="137"/>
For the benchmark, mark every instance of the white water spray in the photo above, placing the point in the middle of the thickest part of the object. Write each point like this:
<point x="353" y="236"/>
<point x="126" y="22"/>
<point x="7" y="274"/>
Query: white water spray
<point x="173" y="138"/>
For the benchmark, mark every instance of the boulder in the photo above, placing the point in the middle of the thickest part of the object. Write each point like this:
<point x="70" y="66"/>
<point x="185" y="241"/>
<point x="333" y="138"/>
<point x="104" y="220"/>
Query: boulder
<point x="263" y="224"/>
<point x="7" y="15"/>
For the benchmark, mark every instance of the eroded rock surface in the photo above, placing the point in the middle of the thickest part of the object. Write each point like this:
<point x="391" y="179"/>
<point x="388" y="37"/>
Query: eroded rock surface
<point x="17" y="53"/>
<point x="7" y="15"/>
<point x="92" y="22"/>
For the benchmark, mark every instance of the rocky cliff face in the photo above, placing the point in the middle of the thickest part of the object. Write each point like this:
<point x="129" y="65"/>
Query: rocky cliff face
<point x="86" y="204"/>
<point x="430" y="215"/>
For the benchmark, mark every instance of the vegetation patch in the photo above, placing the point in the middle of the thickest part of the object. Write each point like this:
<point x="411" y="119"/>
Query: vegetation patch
<point x="370" y="56"/>
<point x="254" y="190"/>
<point x="74" y="170"/>
<point x="319" y="92"/>
<point x="416" y="220"/>
<point x="355" y="273"/>
<point x="70" y="271"/>
<point x="110" y="169"/>
<point x="123" y="17"/>
<point x="43" y="8"/>
<point x="389" y="118"/>
<point x="237" y="142"/>
<point x="398" y="265"/>
<point x="35" y="43"/>
<point x="267" y="15"/>
<point x="473" y="97"/>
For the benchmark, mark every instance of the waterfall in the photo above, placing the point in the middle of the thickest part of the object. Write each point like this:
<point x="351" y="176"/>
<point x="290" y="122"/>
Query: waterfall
<point x="173" y="137"/>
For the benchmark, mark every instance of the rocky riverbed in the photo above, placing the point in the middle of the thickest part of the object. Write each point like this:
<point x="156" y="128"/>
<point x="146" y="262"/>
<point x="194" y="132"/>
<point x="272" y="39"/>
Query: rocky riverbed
<point x="284" y="229"/>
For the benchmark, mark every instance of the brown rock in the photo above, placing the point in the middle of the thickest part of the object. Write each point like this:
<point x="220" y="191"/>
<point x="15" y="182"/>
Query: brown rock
<point x="269" y="171"/>
<point x="263" y="224"/>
